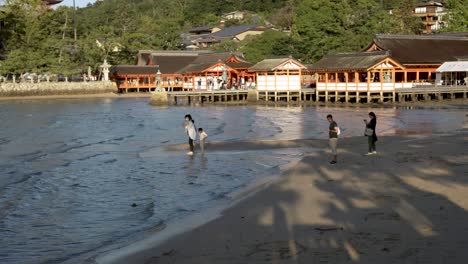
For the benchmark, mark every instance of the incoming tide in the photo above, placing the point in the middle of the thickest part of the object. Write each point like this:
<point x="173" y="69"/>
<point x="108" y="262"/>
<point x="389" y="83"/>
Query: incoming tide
<point x="77" y="175"/>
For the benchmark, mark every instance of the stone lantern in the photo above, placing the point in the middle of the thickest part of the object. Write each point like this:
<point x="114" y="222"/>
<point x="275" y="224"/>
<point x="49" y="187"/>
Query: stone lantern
<point x="158" y="81"/>
<point x="159" y="97"/>
<point x="224" y="76"/>
<point x="105" y="70"/>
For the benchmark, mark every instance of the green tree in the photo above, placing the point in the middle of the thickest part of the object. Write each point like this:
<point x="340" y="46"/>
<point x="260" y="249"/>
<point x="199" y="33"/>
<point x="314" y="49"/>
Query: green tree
<point x="270" y="43"/>
<point x="457" y="15"/>
<point x="31" y="37"/>
<point x="402" y="19"/>
<point x="319" y="28"/>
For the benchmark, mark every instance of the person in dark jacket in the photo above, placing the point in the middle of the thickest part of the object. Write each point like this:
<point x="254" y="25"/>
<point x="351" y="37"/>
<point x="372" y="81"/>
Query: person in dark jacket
<point x="371" y="137"/>
<point x="333" y="138"/>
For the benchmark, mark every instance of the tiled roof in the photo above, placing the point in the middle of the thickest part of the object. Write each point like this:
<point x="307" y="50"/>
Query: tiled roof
<point x="132" y="69"/>
<point x="169" y="61"/>
<point x="360" y="61"/>
<point x="172" y="64"/>
<point x="201" y="29"/>
<point x="231" y="32"/>
<point x="205" y="61"/>
<point x="241" y="65"/>
<point x="269" y="64"/>
<point x="199" y="67"/>
<point x="429" y="3"/>
<point x="426" y="49"/>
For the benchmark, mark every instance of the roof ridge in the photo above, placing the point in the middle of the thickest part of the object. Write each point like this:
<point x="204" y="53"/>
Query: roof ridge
<point x="443" y="36"/>
<point x="360" y="54"/>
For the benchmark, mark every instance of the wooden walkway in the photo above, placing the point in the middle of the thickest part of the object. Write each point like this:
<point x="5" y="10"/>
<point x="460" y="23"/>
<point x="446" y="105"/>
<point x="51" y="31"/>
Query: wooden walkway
<point x="190" y="97"/>
<point x="428" y="93"/>
<point x="421" y="93"/>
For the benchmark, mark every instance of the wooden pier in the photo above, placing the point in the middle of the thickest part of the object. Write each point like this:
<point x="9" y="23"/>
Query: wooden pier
<point x="191" y="97"/>
<point x="432" y="93"/>
<point x="421" y="93"/>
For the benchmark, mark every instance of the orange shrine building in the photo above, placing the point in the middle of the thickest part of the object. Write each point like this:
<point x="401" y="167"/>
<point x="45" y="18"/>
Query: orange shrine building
<point x="214" y="71"/>
<point x="183" y="70"/>
<point x="389" y="63"/>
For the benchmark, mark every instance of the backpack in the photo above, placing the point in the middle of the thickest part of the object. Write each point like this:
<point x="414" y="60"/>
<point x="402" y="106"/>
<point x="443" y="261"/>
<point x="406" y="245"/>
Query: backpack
<point x="338" y="131"/>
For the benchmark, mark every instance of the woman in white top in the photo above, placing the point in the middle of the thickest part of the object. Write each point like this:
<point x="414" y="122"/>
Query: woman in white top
<point x="191" y="131"/>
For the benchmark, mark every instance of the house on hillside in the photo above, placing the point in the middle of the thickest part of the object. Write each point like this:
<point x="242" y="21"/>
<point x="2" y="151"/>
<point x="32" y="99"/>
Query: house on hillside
<point x="203" y="37"/>
<point x="239" y="32"/>
<point x="433" y="15"/>
<point x="235" y="15"/>
<point x="204" y="30"/>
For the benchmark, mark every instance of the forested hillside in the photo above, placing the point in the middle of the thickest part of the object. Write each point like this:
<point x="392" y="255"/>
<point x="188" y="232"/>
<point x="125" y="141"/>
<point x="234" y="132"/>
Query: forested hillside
<point x="37" y="39"/>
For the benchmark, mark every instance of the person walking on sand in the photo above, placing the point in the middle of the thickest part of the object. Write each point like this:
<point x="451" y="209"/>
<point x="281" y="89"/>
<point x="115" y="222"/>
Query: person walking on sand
<point x="333" y="138"/>
<point x="202" y="135"/>
<point x="191" y="131"/>
<point x="370" y="133"/>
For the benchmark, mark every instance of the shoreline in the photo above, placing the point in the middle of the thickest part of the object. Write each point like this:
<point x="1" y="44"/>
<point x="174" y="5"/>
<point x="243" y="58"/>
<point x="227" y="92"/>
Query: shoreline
<point x="274" y="214"/>
<point x="164" y="231"/>
<point x="419" y="104"/>
<point x="74" y="96"/>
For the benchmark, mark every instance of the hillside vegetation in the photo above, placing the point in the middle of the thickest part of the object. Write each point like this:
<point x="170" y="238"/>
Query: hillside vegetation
<point x="37" y="39"/>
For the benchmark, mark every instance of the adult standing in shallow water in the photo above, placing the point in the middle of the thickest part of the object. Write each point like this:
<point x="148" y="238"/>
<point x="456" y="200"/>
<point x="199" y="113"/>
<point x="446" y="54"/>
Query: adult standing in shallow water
<point x="191" y="131"/>
<point x="333" y="135"/>
<point x="371" y="137"/>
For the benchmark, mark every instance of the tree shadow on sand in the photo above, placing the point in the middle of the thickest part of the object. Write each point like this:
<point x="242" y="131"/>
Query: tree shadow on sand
<point x="405" y="205"/>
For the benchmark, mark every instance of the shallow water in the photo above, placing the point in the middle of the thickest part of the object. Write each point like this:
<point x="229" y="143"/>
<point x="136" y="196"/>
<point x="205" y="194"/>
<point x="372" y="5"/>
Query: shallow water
<point x="70" y="170"/>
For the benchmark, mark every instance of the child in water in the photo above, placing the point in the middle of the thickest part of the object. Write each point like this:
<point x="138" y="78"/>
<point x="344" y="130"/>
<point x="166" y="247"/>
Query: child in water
<point x="203" y="136"/>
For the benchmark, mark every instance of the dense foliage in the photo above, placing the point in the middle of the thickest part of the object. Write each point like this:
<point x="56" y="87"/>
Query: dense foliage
<point x="38" y="39"/>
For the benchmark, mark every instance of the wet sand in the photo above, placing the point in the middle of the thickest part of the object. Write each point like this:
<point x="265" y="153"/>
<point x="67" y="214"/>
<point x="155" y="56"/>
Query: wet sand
<point x="407" y="204"/>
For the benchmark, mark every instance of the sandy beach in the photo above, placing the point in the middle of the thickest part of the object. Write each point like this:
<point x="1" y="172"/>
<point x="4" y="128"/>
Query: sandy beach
<point x="407" y="204"/>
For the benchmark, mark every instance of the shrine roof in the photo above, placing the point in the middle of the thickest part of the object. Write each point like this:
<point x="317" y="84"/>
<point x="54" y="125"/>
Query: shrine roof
<point x="359" y="61"/>
<point x="270" y="64"/>
<point x="424" y="49"/>
<point x="132" y="69"/>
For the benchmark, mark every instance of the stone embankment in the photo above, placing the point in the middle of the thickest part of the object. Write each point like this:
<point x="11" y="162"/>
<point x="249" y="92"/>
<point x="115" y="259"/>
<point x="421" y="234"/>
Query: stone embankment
<point x="56" y="88"/>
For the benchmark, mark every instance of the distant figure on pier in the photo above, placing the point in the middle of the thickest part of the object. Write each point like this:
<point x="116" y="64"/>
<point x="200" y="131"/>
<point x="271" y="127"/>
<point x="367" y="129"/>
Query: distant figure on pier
<point x="199" y="83"/>
<point x="191" y="131"/>
<point x="218" y="83"/>
<point x="210" y="83"/>
<point x="202" y="135"/>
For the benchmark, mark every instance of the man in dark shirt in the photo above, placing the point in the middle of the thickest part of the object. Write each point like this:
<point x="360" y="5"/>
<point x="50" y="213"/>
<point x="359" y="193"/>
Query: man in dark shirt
<point x="333" y="135"/>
